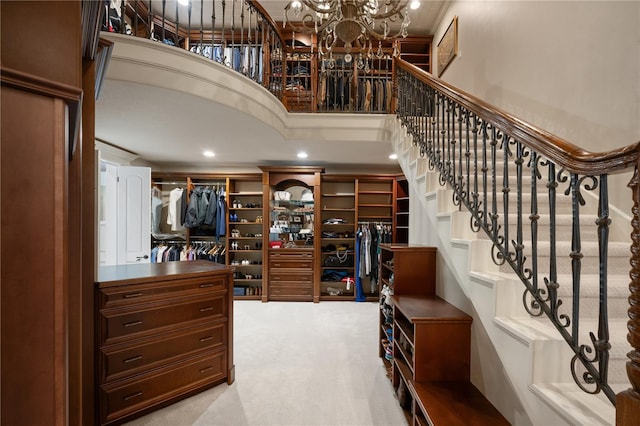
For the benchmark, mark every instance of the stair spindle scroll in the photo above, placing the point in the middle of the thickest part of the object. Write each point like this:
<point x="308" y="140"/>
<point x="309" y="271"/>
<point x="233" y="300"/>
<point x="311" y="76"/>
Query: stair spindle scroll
<point x="465" y="140"/>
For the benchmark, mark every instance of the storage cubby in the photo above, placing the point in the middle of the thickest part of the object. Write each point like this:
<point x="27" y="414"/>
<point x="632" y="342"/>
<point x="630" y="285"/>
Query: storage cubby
<point x="401" y="215"/>
<point x="425" y="344"/>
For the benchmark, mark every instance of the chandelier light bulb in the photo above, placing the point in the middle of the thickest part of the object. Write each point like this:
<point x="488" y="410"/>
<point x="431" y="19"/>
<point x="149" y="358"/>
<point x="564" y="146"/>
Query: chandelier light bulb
<point x="415" y="4"/>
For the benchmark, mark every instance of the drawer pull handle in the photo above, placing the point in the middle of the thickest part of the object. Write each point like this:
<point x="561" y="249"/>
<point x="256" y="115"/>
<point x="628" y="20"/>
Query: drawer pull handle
<point x="206" y="285"/>
<point x="133" y="323"/>
<point x="204" y="370"/>
<point x="204" y="339"/>
<point x="132" y="359"/>
<point x="276" y="278"/>
<point x="208" y="308"/>
<point x="276" y="264"/>
<point x="127" y="296"/>
<point x="133" y="395"/>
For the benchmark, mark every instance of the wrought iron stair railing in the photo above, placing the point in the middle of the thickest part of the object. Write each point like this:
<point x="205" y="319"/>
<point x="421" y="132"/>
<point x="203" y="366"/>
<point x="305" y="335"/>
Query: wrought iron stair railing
<point x="499" y="166"/>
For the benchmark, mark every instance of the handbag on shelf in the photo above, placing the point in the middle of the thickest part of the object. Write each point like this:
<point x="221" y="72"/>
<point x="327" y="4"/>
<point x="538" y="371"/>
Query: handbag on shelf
<point x="342" y="258"/>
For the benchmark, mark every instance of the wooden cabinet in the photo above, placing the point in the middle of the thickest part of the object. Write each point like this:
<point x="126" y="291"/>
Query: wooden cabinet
<point x="290" y="195"/>
<point x="164" y="332"/>
<point x="425" y="344"/>
<point x="291" y="274"/>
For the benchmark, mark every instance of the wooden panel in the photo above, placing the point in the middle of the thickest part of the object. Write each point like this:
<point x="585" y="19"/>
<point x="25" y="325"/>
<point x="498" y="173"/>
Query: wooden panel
<point x="454" y="404"/>
<point x="52" y="32"/>
<point x="33" y="287"/>
<point x="125" y="398"/>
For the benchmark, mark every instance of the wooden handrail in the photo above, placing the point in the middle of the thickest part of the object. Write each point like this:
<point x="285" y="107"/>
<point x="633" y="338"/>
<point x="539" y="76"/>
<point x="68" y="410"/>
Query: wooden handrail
<point x="571" y="157"/>
<point x="268" y="17"/>
<point x="577" y="161"/>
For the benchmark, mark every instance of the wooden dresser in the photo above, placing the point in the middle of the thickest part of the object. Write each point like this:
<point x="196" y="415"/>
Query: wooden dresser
<point x="164" y="332"/>
<point x="291" y="274"/>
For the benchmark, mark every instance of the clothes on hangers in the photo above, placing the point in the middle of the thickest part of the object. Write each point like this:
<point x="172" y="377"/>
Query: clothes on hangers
<point x="174" y="218"/>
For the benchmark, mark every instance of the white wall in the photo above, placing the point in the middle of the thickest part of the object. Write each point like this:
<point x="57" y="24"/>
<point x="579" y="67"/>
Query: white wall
<point x="569" y="67"/>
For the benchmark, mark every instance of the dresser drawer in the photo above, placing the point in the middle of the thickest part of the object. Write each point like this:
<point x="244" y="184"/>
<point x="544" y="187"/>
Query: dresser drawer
<point x="290" y="276"/>
<point x="285" y="263"/>
<point x="284" y="292"/>
<point x="288" y="254"/>
<point x="127" y="359"/>
<point x="142" y="320"/>
<point x="128" y="396"/>
<point x="138" y="293"/>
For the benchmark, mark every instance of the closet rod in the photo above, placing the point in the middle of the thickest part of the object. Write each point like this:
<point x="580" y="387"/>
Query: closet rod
<point x="170" y="183"/>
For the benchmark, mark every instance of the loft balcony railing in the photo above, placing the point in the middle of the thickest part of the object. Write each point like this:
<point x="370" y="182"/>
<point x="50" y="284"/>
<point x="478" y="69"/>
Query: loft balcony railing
<point x="508" y="174"/>
<point x="236" y="33"/>
<point x="242" y="36"/>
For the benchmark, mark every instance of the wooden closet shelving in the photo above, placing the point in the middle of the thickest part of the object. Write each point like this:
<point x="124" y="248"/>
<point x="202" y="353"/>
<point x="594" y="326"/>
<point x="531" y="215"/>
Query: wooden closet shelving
<point x="425" y="344"/>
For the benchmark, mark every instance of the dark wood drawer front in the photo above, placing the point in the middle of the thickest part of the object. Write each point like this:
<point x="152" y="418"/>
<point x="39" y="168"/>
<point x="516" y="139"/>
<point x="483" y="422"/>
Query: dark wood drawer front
<point x="124" y="295"/>
<point x="129" y="396"/>
<point x="291" y="277"/>
<point x="291" y="264"/>
<point x="290" y="255"/>
<point x="291" y="291"/>
<point x="150" y="352"/>
<point x="144" y="320"/>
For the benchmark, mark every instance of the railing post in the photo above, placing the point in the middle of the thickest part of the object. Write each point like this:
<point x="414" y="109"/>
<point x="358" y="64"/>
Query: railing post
<point x="628" y="401"/>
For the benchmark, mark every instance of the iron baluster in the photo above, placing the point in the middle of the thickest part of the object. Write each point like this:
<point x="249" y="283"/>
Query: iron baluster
<point x="123" y="14"/>
<point x="519" y="246"/>
<point x="576" y="254"/>
<point x="552" y="282"/>
<point x="534" y="217"/>
<point x="506" y="153"/>
<point x="602" y="345"/>
<point x="164" y="4"/>
<point x="177" y="39"/>
<point x="202" y="28"/>
<point x="213" y="28"/>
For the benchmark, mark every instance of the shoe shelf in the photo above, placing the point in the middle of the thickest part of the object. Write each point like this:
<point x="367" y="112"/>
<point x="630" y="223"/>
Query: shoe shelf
<point x="338" y="226"/>
<point x="244" y="235"/>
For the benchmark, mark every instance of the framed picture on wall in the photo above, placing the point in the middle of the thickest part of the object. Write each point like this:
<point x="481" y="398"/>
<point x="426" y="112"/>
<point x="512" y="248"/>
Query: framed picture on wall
<point x="448" y="46"/>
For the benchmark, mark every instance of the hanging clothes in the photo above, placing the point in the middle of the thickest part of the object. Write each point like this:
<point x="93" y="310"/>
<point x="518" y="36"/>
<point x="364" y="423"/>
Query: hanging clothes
<point x="173" y="217"/>
<point x="156" y="210"/>
<point x="212" y="208"/>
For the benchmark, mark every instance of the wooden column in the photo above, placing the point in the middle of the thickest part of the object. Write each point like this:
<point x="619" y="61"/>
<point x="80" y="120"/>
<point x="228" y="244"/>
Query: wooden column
<point x="41" y="88"/>
<point x="628" y="402"/>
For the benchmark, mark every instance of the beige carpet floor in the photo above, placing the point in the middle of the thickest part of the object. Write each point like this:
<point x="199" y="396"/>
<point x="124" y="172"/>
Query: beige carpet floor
<point x="296" y="364"/>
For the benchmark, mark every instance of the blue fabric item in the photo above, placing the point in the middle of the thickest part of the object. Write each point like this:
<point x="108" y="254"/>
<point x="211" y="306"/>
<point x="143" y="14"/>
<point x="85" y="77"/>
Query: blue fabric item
<point x="154" y="254"/>
<point x="360" y="297"/>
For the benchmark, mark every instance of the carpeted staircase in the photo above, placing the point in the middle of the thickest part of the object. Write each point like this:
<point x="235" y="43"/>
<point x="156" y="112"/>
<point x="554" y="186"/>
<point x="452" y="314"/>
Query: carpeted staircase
<point x="543" y="380"/>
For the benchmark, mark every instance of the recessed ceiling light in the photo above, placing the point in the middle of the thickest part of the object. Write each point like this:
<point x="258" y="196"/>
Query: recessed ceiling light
<point x="302" y="154"/>
<point x="393" y="156"/>
<point x="209" y="154"/>
<point x="415" y="4"/>
<point x="184" y="2"/>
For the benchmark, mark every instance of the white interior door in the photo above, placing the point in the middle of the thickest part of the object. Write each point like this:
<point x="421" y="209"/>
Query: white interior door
<point x="108" y="217"/>
<point x="134" y="215"/>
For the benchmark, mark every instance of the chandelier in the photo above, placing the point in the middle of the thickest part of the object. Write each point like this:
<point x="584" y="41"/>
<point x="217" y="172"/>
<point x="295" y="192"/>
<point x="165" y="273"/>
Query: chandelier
<point x="354" y="22"/>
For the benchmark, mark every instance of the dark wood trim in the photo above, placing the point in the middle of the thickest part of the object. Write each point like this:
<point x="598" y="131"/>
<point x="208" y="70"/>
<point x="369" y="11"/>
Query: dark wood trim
<point x="38" y="85"/>
<point x="564" y="153"/>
